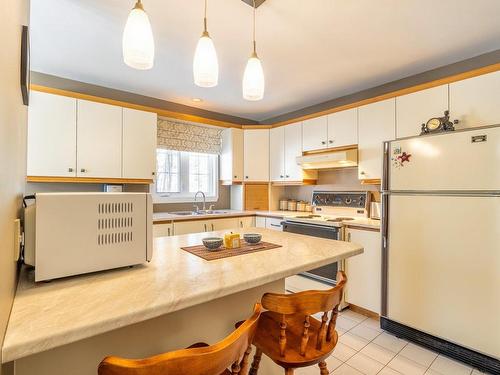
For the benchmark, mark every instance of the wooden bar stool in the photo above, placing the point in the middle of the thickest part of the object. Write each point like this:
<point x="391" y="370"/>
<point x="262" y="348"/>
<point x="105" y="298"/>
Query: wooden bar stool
<point x="198" y="359"/>
<point x="290" y="336"/>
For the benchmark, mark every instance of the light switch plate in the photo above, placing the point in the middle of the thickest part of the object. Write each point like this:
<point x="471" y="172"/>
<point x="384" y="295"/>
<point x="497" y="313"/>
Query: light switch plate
<point x="18" y="239"/>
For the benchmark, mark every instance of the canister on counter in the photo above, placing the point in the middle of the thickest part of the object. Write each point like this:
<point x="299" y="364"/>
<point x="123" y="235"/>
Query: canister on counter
<point x="301" y="206"/>
<point x="292" y="205"/>
<point x="308" y="207"/>
<point x="284" y="204"/>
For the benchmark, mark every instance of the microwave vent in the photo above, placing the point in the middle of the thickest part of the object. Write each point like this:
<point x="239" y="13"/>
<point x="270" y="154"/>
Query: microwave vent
<point x="114" y="223"/>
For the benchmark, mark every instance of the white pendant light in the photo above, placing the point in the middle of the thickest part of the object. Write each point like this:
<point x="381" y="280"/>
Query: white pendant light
<point x="205" y="64"/>
<point x="138" y="43"/>
<point x="253" y="78"/>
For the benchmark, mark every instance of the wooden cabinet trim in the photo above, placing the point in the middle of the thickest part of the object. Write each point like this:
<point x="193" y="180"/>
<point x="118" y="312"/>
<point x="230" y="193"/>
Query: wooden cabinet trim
<point x="88" y="180"/>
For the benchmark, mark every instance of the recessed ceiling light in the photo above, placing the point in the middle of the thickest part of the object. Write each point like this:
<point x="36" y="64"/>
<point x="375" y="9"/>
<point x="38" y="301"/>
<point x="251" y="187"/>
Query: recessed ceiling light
<point x="196" y="100"/>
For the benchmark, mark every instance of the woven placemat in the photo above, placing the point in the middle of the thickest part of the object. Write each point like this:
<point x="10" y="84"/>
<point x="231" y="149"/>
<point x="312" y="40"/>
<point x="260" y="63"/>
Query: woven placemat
<point x="222" y="252"/>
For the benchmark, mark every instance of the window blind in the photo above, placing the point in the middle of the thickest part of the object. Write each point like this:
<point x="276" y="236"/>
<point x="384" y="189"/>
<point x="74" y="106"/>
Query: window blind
<point x="185" y="136"/>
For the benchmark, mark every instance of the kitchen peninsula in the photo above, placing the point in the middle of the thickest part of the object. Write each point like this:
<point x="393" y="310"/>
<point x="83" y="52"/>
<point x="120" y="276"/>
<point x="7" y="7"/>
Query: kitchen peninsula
<point x="67" y="326"/>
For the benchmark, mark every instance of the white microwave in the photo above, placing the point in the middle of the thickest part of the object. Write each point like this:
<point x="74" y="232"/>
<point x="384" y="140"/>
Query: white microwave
<point x="75" y="233"/>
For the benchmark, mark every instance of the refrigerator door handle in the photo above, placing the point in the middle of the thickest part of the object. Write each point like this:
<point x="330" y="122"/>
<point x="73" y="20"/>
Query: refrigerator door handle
<point x="385" y="167"/>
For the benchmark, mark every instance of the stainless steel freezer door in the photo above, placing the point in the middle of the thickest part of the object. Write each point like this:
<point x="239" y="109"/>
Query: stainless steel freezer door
<point x="443" y="267"/>
<point x="462" y="160"/>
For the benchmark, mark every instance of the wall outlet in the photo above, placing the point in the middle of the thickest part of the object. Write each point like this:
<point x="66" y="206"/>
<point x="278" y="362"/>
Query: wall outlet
<point x="18" y="239"/>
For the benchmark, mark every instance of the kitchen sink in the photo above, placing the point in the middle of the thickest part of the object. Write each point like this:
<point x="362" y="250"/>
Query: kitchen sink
<point x="185" y="213"/>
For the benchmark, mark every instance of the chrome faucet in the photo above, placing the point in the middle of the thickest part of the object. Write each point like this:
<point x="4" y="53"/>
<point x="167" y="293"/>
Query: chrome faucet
<point x="204" y="201"/>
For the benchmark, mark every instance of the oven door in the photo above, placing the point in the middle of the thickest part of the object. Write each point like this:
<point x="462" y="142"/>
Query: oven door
<point x="326" y="274"/>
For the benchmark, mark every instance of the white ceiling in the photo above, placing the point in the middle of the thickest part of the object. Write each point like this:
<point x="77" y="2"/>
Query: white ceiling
<point x="312" y="50"/>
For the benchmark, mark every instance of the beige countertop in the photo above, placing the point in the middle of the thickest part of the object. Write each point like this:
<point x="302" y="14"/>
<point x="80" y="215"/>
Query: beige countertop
<point x="159" y="217"/>
<point x="48" y="315"/>
<point x="364" y="223"/>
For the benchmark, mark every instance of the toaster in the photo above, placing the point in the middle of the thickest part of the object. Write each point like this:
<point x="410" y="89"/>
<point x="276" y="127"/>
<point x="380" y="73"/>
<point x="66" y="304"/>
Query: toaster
<point x="75" y="233"/>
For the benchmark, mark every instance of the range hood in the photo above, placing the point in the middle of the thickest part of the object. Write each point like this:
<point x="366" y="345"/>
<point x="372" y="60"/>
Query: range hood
<point x="329" y="160"/>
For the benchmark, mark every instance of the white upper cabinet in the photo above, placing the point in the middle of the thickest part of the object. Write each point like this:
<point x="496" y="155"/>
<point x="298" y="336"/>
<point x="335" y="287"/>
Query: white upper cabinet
<point x="343" y="128"/>
<point x="99" y="137"/>
<point x="277" y="153"/>
<point x="293" y="148"/>
<point x="51" y="135"/>
<point x="256" y="155"/>
<point x="139" y="144"/>
<point x="377" y="123"/>
<point x="231" y="158"/>
<point x="315" y="134"/>
<point x="475" y="101"/>
<point x="414" y="109"/>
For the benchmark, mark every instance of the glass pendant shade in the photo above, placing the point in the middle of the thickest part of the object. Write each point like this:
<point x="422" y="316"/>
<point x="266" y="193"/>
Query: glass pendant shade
<point x="138" y="43"/>
<point x="253" y="79"/>
<point x="205" y="64"/>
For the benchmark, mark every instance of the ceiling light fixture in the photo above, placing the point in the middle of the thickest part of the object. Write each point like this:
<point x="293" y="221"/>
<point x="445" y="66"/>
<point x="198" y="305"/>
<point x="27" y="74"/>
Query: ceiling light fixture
<point x="253" y="77"/>
<point x="205" y="64"/>
<point x="138" y="44"/>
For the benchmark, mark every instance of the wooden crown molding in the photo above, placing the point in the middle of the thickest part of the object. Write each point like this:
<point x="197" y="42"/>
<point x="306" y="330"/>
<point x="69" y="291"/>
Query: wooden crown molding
<point x="89" y="180"/>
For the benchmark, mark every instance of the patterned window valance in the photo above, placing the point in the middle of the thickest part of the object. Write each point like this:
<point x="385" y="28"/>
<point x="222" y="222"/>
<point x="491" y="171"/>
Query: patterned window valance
<point x="184" y="136"/>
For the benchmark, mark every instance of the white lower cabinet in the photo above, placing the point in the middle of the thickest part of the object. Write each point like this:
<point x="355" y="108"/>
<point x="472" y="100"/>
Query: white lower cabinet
<point x="246" y="222"/>
<point x="223" y="224"/>
<point x="274" y="223"/>
<point x="260" y="222"/>
<point x="163" y="230"/>
<point x="195" y="226"/>
<point x="364" y="271"/>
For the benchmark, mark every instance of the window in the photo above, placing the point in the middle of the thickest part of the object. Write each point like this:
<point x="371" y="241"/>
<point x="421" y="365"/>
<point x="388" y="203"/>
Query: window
<point x="181" y="174"/>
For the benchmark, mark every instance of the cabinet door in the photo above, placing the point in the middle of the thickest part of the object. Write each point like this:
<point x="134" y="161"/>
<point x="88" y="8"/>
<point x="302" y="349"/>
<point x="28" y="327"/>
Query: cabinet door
<point x="139" y="144"/>
<point x="376" y="124"/>
<point x="293" y="148"/>
<point x="51" y="135"/>
<point x="260" y="222"/>
<point x="99" y="140"/>
<point x="223" y="224"/>
<point x="256" y="155"/>
<point x="231" y="158"/>
<point x="162" y="230"/>
<point x="474" y="101"/>
<point x="274" y="223"/>
<point x="364" y="271"/>
<point x="277" y="153"/>
<point x="315" y="133"/>
<point x="414" y="109"/>
<point x="343" y="128"/>
<point x="195" y="226"/>
<point x="246" y="222"/>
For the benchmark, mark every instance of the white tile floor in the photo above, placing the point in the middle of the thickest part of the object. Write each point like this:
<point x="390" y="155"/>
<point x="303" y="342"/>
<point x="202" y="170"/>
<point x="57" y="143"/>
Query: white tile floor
<point x="364" y="348"/>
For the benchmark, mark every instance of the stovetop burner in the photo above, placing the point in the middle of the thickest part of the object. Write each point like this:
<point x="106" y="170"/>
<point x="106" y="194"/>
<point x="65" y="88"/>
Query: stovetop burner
<point x="307" y="216"/>
<point x="338" y="219"/>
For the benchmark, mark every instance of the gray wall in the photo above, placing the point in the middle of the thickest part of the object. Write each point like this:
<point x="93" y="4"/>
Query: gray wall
<point x="12" y="149"/>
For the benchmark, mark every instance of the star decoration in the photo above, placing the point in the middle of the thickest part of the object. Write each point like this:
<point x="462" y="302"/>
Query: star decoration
<point x="404" y="157"/>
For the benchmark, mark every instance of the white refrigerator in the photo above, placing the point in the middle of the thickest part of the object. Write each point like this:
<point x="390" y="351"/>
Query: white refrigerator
<point x="441" y="243"/>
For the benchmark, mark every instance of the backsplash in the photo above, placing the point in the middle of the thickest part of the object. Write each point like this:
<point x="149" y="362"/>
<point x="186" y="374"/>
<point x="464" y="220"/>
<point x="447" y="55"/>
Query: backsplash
<point x="345" y="179"/>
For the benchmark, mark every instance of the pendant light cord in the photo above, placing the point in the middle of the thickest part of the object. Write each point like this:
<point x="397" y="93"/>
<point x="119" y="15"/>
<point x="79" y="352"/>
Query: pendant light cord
<point x="205" y="18"/>
<point x="254" y="42"/>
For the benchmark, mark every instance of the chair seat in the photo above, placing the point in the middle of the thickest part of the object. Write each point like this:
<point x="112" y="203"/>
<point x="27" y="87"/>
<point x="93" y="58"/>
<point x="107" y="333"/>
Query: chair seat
<point x="267" y="340"/>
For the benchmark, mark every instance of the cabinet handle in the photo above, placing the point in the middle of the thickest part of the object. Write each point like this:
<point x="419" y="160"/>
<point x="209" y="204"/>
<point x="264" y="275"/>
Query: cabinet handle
<point x="152" y="173"/>
<point x="362" y="172"/>
<point x="287" y="176"/>
<point x="276" y="225"/>
<point x="246" y="177"/>
<point x="281" y="176"/>
<point x="241" y="224"/>
<point x="235" y="176"/>
<point x="205" y="227"/>
<point x="323" y="142"/>
<point x="330" y="141"/>
<point x="168" y="231"/>
<point x="213" y="227"/>
<point x="83" y="170"/>
<point x="70" y="169"/>
<point x="348" y="237"/>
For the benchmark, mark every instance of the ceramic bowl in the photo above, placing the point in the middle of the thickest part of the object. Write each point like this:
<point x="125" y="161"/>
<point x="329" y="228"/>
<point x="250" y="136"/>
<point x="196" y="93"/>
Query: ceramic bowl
<point x="213" y="243"/>
<point x="252" y="237"/>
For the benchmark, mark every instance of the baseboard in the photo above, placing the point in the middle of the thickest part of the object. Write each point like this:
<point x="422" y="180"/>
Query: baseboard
<point x="363" y="311"/>
<point x="471" y="357"/>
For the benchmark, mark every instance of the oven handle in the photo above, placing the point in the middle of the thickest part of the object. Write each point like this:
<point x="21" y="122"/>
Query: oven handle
<point x="333" y="229"/>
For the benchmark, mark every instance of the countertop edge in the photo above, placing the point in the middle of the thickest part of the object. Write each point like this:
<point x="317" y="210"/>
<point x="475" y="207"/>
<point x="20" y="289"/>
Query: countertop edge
<point x="27" y="348"/>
